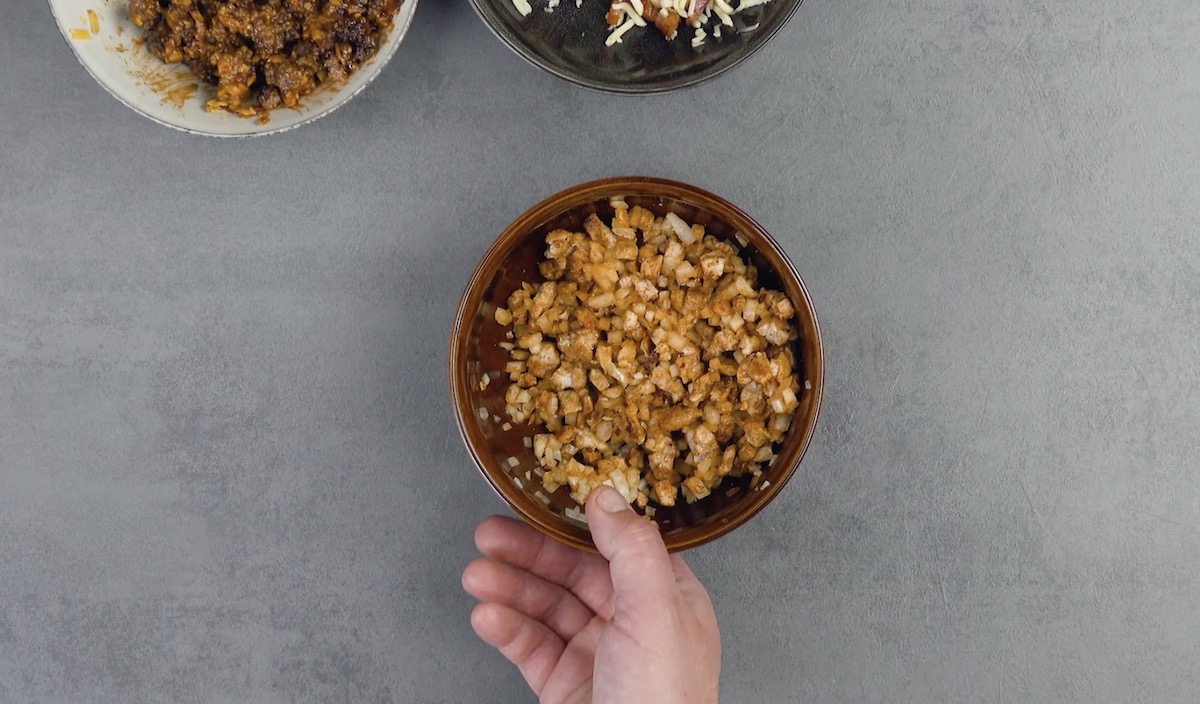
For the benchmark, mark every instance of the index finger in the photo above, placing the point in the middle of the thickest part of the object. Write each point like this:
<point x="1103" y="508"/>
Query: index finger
<point x="585" y="575"/>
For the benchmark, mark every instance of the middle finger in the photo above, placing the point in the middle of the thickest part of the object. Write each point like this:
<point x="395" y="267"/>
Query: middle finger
<point x="494" y="581"/>
<point x="584" y="574"/>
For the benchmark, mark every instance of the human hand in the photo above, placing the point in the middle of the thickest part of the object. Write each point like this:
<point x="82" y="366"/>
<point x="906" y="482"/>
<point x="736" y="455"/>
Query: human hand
<point x="632" y="626"/>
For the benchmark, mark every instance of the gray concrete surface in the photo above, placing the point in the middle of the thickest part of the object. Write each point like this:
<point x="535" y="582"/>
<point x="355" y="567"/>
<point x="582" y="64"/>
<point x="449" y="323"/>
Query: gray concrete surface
<point x="227" y="466"/>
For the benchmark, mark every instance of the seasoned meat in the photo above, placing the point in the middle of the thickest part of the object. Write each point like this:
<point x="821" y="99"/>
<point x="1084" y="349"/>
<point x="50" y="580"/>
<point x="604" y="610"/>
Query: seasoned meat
<point x="265" y="54"/>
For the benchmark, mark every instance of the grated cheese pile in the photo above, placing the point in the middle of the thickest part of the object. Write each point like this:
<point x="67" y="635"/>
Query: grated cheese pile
<point x="666" y="15"/>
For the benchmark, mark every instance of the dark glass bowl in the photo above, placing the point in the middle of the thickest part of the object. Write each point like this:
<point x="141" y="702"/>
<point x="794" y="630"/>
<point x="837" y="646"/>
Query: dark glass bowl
<point x="569" y="42"/>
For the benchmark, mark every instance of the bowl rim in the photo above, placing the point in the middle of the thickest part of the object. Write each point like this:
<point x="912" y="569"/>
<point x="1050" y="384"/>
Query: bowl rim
<point x="688" y="81"/>
<point x="382" y="59"/>
<point x="541" y="213"/>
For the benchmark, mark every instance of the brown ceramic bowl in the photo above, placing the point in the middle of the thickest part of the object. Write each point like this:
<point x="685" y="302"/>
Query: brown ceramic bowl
<point x="474" y="351"/>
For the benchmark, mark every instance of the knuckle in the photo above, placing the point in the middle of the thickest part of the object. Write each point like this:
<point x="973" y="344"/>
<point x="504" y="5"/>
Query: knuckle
<point x="640" y="536"/>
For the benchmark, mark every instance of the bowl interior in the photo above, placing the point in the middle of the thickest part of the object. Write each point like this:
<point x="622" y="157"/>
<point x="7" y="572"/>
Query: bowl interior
<point x="171" y="94"/>
<point x="475" y="351"/>
<point x="569" y="42"/>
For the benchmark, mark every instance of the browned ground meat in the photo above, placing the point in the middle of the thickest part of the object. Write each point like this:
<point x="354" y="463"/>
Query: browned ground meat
<point x="264" y="54"/>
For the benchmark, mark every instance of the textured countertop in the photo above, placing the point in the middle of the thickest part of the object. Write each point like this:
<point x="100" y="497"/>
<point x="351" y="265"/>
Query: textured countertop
<point x="228" y="471"/>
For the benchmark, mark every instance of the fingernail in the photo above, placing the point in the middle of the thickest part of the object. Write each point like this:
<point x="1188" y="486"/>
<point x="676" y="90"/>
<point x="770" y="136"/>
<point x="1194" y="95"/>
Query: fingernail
<point x="610" y="500"/>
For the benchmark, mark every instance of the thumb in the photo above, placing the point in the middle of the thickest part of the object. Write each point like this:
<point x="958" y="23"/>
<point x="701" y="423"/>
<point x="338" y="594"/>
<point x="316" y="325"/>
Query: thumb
<point x="643" y="581"/>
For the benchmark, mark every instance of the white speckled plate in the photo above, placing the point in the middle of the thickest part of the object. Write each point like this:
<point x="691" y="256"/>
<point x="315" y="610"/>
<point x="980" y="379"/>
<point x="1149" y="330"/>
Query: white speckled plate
<point x="102" y="36"/>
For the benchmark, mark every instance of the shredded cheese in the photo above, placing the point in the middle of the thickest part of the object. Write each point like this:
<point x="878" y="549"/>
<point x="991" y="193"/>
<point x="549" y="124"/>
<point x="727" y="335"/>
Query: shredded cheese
<point x="619" y="32"/>
<point x="633" y="14"/>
